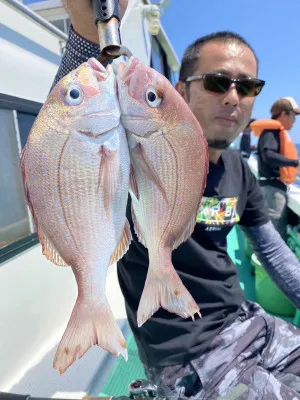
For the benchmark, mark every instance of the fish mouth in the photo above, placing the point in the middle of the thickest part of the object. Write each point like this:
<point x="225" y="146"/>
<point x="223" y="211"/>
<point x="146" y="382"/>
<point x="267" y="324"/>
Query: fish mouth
<point x="104" y="134"/>
<point x="155" y="134"/>
<point x="96" y="65"/>
<point x="127" y="119"/>
<point x="98" y="114"/>
<point x="123" y="70"/>
<point x="99" y="70"/>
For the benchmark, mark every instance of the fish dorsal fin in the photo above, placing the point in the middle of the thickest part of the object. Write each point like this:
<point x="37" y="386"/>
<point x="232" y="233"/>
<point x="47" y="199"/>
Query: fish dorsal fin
<point x="108" y="176"/>
<point x="189" y="229"/>
<point x="133" y="183"/>
<point x="137" y="227"/>
<point x="144" y="165"/>
<point x="50" y="251"/>
<point x="123" y="245"/>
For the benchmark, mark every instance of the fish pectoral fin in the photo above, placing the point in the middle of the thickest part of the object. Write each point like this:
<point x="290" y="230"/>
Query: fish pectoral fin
<point x="90" y="324"/>
<point x="123" y="245"/>
<point x="186" y="233"/>
<point x="142" y="163"/>
<point x="133" y="183"/>
<point x="108" y="176"/>
<point x="50" y="251"/>
<point x="164" y="288"/>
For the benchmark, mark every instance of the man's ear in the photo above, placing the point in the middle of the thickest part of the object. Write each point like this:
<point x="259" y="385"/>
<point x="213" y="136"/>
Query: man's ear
<point x="180" y="87"/>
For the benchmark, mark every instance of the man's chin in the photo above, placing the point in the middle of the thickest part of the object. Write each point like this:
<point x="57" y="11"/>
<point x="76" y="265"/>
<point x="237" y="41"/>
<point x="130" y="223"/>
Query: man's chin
<point x="218" y="144"/>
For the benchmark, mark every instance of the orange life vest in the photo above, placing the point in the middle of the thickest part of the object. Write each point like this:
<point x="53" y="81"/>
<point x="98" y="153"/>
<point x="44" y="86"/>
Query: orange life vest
<point x="286" y="146"/>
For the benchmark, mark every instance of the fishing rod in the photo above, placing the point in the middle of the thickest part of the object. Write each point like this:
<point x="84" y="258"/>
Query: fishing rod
<point x="107" y="20"/>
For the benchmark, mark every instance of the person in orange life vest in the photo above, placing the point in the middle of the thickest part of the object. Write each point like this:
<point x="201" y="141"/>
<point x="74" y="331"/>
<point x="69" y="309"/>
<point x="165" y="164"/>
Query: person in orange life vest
<point x="278" y="162"/>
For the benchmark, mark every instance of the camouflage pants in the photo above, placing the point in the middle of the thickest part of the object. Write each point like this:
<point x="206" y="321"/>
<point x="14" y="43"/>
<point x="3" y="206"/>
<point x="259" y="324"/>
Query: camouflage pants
<point x="256" y="357"/>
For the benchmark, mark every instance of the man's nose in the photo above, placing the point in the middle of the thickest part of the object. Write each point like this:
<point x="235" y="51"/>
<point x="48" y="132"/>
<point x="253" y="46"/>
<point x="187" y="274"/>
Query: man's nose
<point x="231" y="97"/>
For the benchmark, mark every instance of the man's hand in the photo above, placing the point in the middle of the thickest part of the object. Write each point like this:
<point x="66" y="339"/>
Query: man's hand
<point x="82" y="17"/>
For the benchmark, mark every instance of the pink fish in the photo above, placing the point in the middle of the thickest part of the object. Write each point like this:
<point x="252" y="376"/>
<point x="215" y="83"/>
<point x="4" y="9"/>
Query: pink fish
<point x="169" y="160"/>
<point x="76" y="175"/>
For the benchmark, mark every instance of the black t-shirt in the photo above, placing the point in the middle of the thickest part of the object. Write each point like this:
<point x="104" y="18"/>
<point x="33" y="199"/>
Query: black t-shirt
<point x="270" y="159"/>
<point x="232" y="195"/>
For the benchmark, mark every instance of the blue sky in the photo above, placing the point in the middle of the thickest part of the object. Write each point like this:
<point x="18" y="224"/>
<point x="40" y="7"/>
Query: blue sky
<point x="271" y="27"/>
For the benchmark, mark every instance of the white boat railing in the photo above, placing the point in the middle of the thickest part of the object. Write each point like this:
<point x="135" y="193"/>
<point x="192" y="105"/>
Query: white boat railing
<point x="21" y="7"/>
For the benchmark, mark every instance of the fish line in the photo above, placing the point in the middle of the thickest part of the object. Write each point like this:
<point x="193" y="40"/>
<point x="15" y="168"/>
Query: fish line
<point x="60" y="196"/>
<point x="176" y="187"/>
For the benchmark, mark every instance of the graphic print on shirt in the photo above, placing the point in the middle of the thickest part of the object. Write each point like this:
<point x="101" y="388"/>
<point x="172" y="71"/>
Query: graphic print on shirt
<point x="218" y="212"/>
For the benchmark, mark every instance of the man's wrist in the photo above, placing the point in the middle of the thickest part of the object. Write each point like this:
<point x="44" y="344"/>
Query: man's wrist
<point x="90" y="35"/>
<point x="81" y="46"/>
<point x="78" y="50"/>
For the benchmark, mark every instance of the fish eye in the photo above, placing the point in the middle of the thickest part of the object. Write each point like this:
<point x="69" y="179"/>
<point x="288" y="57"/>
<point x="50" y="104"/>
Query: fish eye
<point x="153" y="99"/>
<point x="74" y="95"/>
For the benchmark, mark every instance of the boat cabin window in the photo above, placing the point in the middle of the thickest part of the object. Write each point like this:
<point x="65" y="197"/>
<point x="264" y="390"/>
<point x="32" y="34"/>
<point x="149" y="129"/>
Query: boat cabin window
<point x="25" y="122"/>
<point x="16" y="225"/>
<point x="62" y="24"/>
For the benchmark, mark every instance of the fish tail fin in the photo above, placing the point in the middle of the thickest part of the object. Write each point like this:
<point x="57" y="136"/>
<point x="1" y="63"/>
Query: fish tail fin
<point x="89" y="325"/>
<point x="164" y="288"/>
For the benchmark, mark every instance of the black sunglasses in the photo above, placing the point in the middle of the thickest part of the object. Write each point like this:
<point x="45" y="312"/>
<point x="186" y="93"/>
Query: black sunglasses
<point x="219" y="83"/>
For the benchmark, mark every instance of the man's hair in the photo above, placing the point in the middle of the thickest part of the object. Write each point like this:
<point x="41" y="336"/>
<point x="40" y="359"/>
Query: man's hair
<point x="192" y="54"/>
<point x="281" y="105"/>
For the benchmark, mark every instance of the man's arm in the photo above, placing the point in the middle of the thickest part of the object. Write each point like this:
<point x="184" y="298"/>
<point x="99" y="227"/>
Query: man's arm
<point x="83" y="41"/>
<point x="270" y="155"/>
<point x="276" y="257"/>
<point x="78" y="50"/>
<point x="277" y="160"/>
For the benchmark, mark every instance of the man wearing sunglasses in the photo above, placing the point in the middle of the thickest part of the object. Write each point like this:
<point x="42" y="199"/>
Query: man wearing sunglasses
<point x="236" y="350"/>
